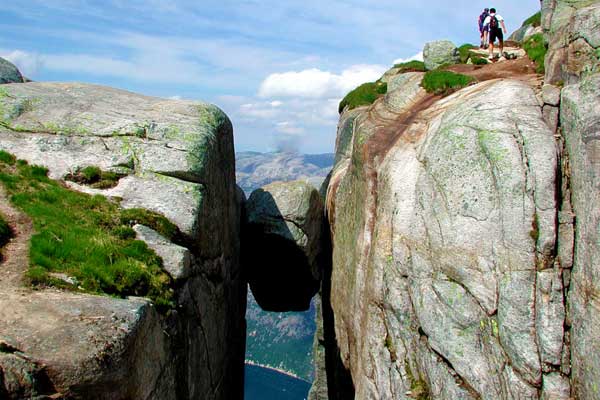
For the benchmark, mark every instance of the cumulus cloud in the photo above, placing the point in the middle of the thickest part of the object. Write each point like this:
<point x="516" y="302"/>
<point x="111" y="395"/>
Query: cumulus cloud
<point x="416" y="57"/>
<point x="261" y="110"/>
<point x="289" y="128"/>
<point x="28" y="63"/>
<point x="315" y="83"/>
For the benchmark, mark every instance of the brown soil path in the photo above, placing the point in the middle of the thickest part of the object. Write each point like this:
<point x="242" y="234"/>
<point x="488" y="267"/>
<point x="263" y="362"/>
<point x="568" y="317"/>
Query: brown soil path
<point x="15" y="255"/>
<point x="412" y="121"/>
<point x="521" y="69"/>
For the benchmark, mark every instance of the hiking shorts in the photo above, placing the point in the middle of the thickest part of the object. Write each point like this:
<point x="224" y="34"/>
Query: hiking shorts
<point x="496" y="34"/>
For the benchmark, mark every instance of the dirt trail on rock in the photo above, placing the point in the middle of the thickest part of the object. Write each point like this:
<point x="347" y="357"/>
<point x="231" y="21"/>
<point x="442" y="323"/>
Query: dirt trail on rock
<point x="522" y="69"/>
<point x="412" y="122"/>
<point x="15" y="255"/>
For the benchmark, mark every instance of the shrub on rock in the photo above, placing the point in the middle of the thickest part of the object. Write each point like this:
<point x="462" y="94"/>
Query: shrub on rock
<point x="445" y="82"/>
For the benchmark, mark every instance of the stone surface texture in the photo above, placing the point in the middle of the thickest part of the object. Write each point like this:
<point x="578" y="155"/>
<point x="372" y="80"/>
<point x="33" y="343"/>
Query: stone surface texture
<point x="572" y="29"/>
<point x="444" y="225"/>
<point x="580" y="122"/>
<point x="177" y="260"/>
<point x="438" y="53"/>
<point x="525" y="32"/>
<point x="178" y="159"/>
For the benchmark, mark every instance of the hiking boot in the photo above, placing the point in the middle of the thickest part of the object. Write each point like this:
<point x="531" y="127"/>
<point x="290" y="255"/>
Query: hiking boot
<point x="491" y="58"/>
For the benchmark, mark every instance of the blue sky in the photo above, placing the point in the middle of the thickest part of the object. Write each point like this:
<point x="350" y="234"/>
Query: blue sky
<point x="278" y="68"/>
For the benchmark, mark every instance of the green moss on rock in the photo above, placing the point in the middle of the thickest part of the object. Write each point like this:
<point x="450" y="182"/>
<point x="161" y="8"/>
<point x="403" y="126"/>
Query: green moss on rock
<point x="465" y="52"/>
<point x="363" y="95"/>
<point x="95" y="177"/>
<point x="535" y="20"/>
<point x="410" y="66"/>
<point x="536" y="49"/>
<point x="445" y="82"/>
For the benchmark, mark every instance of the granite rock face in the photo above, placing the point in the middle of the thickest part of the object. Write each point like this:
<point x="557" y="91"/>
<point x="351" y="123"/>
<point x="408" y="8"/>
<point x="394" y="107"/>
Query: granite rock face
<point x="283" y="245"/>
<point x="525" y="32"/>
<point x="572" y="29"/>
<point x="436" y="54"/>
<point x="444" y="223"/>
<point x="580" y="121"/>
<point x="178" y="160"/>
<point x="9" y="73"/>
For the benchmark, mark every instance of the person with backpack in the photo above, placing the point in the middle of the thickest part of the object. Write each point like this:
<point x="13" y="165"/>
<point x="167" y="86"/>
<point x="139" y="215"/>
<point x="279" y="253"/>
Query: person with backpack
<point x="482" y="31"/>
<point x="493" y="23"/>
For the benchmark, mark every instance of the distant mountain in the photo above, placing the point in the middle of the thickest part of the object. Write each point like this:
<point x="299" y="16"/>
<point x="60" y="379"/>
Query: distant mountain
<point x="280" y="340"/>
<point x="254" y="169"/>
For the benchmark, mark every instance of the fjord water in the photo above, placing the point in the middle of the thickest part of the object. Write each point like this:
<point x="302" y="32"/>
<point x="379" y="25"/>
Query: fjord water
<point x="267" y="384"/>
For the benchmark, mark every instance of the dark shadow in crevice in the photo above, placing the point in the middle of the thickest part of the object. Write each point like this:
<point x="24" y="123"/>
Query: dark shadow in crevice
<point x="278" y="272"/>
<point x="339" y="379"/>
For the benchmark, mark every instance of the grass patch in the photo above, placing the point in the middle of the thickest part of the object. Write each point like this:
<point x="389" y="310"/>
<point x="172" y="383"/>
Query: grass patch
<point x="465" y="52"/>
<point x="476" y="60"/>
<point x="535" y="20"/>
<point x="363" y="95"/>
<point x="84" y="237"/>
<point x="536" y="49"/>
<point x="95" y="177"/>
<point x="444" y="82"/>
<point x="410" y="66"/>
<point x="7" y="158"/>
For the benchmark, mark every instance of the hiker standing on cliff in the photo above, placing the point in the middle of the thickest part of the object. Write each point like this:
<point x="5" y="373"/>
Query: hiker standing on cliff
<point x="482" y="30"/>
<point x="493" y="22"/>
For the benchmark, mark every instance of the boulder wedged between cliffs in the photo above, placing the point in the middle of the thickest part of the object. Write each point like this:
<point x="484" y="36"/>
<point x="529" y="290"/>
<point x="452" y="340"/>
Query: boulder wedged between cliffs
<point x="282" y="245"/>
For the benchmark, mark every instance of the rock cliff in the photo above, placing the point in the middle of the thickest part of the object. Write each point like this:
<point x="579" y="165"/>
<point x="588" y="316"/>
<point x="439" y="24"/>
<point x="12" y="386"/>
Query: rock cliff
<point x="175" y="158"/>
<point x="460" y="268"/>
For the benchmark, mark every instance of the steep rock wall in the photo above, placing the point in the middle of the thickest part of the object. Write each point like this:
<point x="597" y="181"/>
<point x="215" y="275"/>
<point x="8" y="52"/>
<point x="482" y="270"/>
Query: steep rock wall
<point x="179" y="161"/>
<point x="444" y="223"/>
<point x="572" y="29"/>
<point x="580" y="120"/>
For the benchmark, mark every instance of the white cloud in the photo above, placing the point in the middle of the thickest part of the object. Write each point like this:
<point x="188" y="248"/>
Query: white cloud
<point x="276" y="103"/>
<point x="289" y="128"/>
<point x="416" y="57"/>
<point x="259" y="110"/>
<point x="28" y="63"/>
<point x="315" y="83"/>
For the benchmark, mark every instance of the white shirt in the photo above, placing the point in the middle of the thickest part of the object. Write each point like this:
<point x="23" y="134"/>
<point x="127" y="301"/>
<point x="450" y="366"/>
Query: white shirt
<point x="488" y="19"/>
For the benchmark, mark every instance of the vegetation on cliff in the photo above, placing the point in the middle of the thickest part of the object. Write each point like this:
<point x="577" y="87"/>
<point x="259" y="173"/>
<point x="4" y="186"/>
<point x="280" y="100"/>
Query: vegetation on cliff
<point x="444" y="82"/>
<point x="363" y="95"/>
<point x="87" y="238"/>
<point x="536" y="49"/>
<point x="410" y="66"/>
<point x="95" y="177"/>
<point x="534" y="20"/>
<point x="465" y="52"/>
